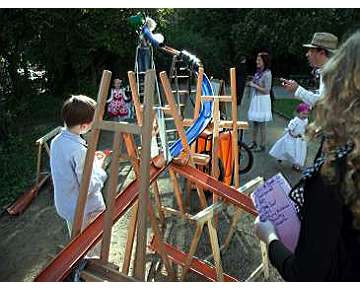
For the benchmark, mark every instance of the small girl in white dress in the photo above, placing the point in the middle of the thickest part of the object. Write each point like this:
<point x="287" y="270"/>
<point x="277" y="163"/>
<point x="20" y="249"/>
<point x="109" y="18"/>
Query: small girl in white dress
<point x="291" y="146"/>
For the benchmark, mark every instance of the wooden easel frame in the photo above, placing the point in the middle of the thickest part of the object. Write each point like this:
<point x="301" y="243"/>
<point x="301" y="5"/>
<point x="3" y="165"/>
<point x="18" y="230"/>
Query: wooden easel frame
<point x="144" y="208"/>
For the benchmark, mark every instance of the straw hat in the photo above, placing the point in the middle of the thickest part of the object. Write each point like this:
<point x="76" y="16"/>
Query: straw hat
<point x="323" y="40"/>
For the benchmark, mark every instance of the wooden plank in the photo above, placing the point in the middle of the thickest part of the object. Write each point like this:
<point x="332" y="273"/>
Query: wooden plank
<point x="47" y="148"/>
<point x="90" y="154"/>
<point x="198" y="92"/>
<point x="171" y="211"/>
<point x="133" y="155"/>
<point x="156" y="191"/>
<point x="135" y="97"/>
<point x="265" y="259"/>
<point x="24" y="200"/>
<point x="130" y="239"/>
<point x="251" y="185"/>
<point x="88" y="276"/>
<point x="192" y="250"/>
<point x="255" y="273"/>
<point x="215" y="250"/>
<point x="146" y="132"/>
<point x="38" y="165"/>
<point x="201" y="159"/>
<point x="219" y="98"/>
<point x="120" y="126"/>
<point x="230" y="124"/>
<point x="178" y="194"/>
<point x="107" y="272"/>
<point x="234" y="117"/>
<point x="207" y="213"/>
<point x="49" y="135"/>
<point x="188" y="122"/>
<point x="215" y="140"/>
<point x="110" y="198"/>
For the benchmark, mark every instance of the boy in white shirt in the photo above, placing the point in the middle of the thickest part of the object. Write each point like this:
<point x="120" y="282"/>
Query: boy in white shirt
<point x="68" y="151"/>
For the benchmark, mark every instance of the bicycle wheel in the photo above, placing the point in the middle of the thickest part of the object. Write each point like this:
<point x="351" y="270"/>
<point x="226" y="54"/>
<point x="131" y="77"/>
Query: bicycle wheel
<point x="246" y="158"/>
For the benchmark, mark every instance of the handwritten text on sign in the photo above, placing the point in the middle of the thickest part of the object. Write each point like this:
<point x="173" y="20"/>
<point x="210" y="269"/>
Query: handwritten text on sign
<point x="272" y="202"/>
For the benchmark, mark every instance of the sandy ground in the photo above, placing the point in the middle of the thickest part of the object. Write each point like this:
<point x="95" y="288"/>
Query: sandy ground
<point x="28" y="240"/>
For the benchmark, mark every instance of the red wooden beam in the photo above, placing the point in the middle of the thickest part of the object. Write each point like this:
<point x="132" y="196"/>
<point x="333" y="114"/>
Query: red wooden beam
<point x="197" y="266"/>
<point x="77" y="248"/>
<point x="25" y="199"/>
<point x="62" y="264"/>
<point x="210" y="183"/>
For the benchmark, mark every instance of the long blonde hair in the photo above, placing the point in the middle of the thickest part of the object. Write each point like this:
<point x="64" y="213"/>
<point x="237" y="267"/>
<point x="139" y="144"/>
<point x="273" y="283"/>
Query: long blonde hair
<point x="337" y="115"/>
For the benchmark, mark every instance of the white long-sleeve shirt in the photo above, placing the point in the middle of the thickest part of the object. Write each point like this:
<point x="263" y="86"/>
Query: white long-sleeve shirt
<point x="307" y="96"/>
<point x="67" y="158"/>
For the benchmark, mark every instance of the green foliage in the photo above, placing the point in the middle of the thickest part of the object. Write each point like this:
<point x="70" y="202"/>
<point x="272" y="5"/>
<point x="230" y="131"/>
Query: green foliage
<point x="18" y="163"/>
<point x="286" y="107"/>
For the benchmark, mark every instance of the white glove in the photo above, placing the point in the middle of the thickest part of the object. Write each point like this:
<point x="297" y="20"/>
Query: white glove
<point x="265" y="231"/>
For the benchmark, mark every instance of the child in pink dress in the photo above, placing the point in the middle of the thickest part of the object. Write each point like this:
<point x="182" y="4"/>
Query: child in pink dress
<point x="118" y="104"/>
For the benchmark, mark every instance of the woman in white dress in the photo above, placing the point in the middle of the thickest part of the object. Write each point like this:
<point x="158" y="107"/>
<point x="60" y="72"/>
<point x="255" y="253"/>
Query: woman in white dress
<point x="291" y="146"/>
<point x="260" y="105"/>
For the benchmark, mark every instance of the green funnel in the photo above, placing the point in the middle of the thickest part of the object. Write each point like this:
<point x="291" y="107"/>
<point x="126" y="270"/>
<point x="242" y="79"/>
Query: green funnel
<point x="136" y="21"/>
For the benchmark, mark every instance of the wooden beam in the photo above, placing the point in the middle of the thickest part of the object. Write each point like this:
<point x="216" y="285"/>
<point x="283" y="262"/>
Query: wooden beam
<point x="251" y="185"/>
<point x="38" y="165"/>
<point x="49" y="135"/>
<point x="171" y="211"/>
<point x="135" y="97"/>
<point x="110" y="199"/>
<point x="220" y="98"/>
<point x="120" y="126"/>
<point x="90" y="154"/>
<point x="230" y="124"/>
<point x="198" y="92"/>
<point x="188" y="122"/>
<point x="88" y="276"/>
<point x="146" y="132"/>
<point x="107" y="272"/>
<point x="234" y="118"/>
<point x="201" y="159"/>
<point x="207" y="213"/>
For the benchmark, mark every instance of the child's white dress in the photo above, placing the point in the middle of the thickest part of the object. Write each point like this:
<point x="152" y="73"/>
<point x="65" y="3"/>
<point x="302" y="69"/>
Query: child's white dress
<point x="291" y="146"/>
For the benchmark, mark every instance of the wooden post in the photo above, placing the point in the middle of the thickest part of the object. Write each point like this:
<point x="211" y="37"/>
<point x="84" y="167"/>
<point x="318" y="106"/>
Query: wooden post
<point x="265" y="259"/>
<point x="90" y="154"/>
<point x="135" y="97"/>
<point x="235" y="148"/>
<point x="130" y="239"/>
<point x="110" y="199"/>
<point x="133" y="153"/>
<point x="144" y="174"/>
<point x="38" y="165"/>
<point x="193" y="247"/>
<point x="198" y="92"/>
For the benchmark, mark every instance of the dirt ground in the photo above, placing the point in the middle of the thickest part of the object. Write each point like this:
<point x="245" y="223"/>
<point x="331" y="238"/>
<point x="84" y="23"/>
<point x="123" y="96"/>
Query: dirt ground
<point x="28" y="240"/>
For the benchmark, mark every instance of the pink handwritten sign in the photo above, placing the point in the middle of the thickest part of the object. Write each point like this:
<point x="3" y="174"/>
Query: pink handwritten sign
<point x="273" y="203"/>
